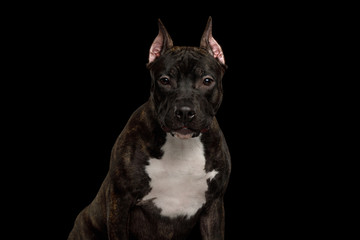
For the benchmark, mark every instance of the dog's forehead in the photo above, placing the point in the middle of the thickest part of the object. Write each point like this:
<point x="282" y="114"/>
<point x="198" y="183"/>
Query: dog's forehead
<point x="183" y="50"/>
<point x="187" y="60"/>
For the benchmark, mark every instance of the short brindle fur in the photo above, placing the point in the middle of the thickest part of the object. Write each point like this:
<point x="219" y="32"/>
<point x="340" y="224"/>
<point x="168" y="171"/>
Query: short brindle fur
<point x="170" y="166"/>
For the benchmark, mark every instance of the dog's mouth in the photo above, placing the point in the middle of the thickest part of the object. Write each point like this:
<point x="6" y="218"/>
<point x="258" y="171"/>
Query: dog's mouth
<point x="184" y="132"/>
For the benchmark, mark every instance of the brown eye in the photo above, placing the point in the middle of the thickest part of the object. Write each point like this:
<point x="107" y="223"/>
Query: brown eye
<point x="164" y="81"/>
<point x="207" y="81"/>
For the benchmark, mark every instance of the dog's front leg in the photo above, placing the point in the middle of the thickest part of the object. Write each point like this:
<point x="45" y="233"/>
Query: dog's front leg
<point x="118" y="206"/>
<point x="212" y="223"/>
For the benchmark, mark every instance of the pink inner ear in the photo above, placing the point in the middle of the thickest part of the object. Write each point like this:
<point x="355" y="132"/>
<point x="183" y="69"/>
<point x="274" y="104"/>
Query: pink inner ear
<point x="155" y="48"/>
<point x="216" y="49"/>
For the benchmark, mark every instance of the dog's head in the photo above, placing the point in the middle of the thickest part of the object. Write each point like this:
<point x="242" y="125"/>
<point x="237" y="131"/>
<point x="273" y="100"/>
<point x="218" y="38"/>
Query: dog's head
<point x="186" y="86"/>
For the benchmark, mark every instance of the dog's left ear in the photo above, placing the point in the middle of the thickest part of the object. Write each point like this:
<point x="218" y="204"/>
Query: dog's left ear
<point x="161" y="43"/>
<point x="210" y="44"/>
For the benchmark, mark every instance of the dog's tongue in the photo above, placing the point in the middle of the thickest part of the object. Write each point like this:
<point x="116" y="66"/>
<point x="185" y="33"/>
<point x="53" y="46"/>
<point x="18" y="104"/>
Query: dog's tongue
<point x="184" y="133"/>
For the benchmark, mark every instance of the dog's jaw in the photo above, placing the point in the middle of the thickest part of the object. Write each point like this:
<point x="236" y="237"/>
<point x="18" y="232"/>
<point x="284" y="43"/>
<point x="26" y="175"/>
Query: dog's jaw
<point x="183" y="136"/>
<point x="183" y="133"/>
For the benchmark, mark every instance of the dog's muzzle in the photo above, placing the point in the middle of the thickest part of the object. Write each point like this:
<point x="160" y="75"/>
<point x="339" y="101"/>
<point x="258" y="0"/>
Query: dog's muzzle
<point x="184" y="123"/>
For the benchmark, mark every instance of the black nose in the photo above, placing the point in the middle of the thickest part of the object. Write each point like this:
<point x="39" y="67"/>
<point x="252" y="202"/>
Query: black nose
<point x="185" y="114"/>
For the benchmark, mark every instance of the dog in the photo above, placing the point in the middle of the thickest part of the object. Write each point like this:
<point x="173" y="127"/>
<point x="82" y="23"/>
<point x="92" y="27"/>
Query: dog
<point x="170" y="166"/>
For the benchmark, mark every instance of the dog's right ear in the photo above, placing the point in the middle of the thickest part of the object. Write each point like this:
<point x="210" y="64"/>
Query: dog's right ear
<point x="161" y="43"/>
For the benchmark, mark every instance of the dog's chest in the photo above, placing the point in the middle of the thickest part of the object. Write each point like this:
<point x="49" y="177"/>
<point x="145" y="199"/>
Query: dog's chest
<point x="179" y="180"/>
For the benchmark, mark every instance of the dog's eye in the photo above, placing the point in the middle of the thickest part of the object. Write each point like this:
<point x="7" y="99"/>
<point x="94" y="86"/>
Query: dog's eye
<point x="164" y="81"/>
<point x="207" y="81"/>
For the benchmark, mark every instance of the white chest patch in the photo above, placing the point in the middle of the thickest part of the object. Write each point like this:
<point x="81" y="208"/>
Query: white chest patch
<point x="178" y="180"/>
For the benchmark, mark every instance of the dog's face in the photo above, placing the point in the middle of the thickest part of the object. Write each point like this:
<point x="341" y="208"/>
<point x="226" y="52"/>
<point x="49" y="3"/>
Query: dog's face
<point x="186" y="83"/>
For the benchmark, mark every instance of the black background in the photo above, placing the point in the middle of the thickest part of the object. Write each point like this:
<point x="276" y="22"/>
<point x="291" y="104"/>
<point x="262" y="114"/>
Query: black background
<point x="90" y="76"/>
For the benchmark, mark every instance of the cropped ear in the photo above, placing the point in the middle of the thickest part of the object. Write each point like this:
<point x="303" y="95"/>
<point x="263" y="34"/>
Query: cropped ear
<point x="210" y="44"/>
<point x="161" y="43"/>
